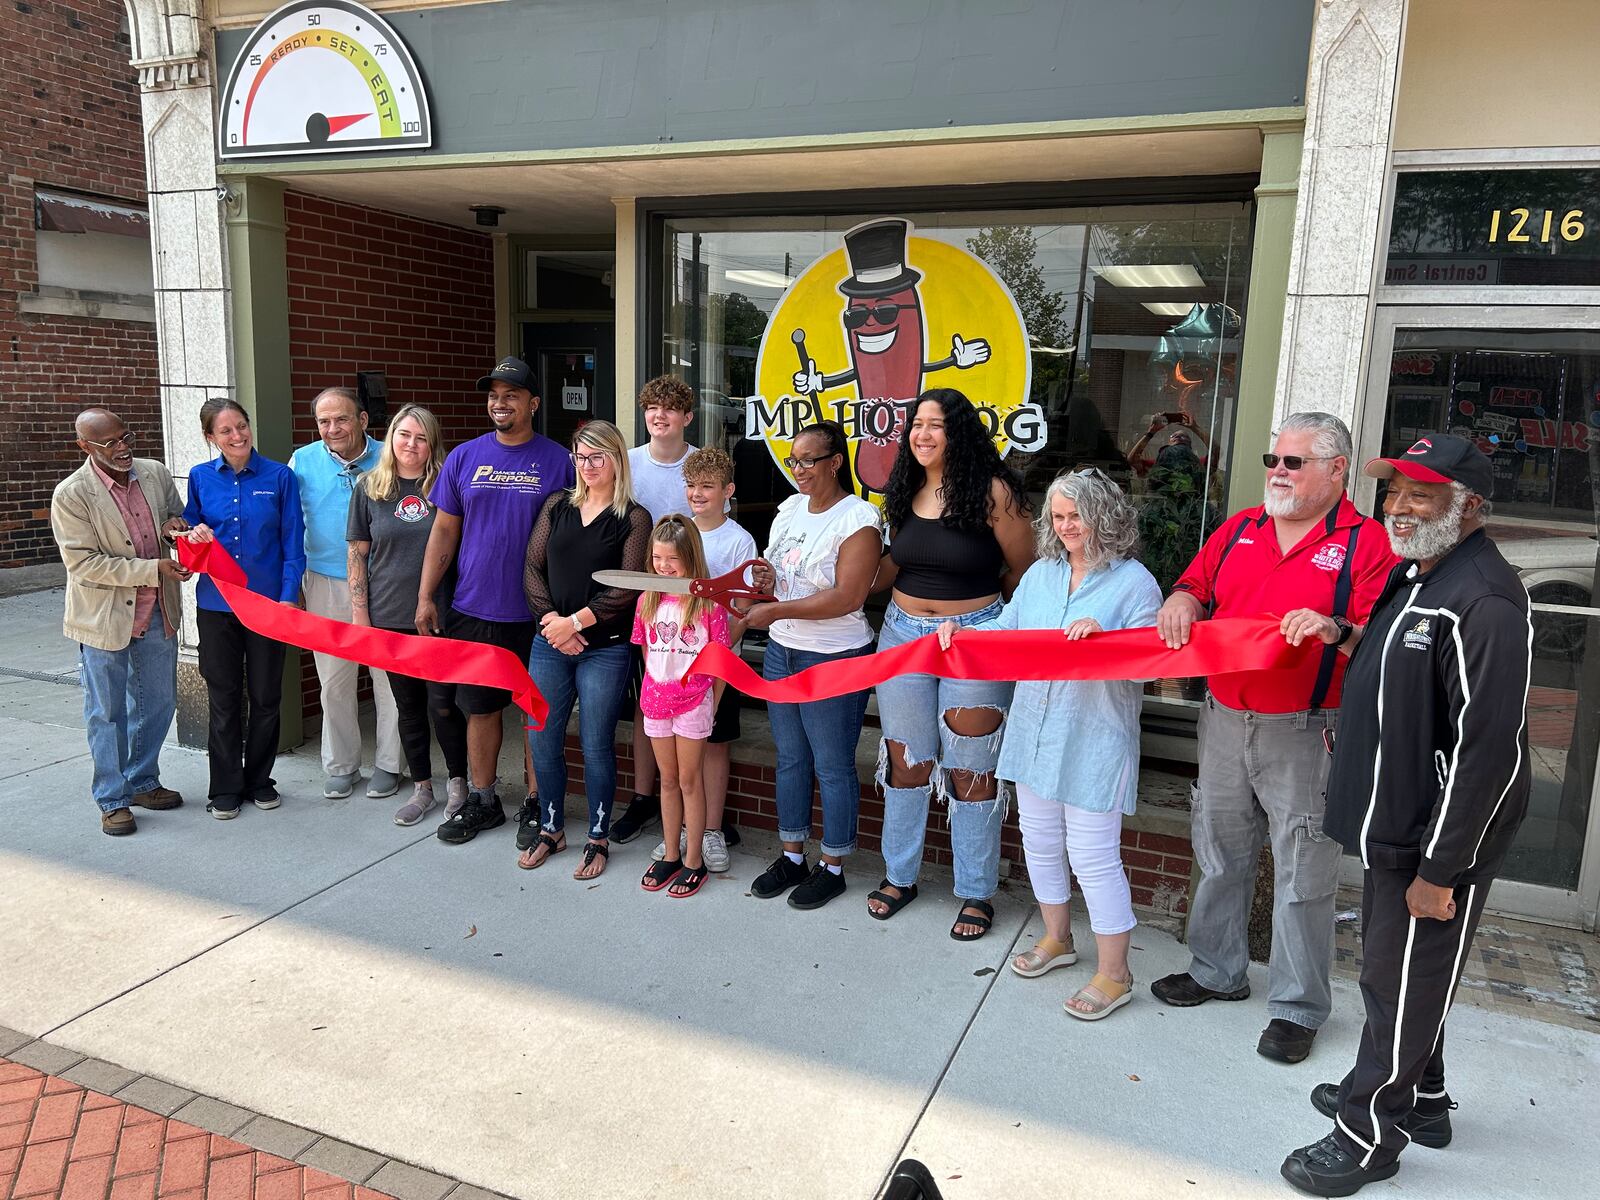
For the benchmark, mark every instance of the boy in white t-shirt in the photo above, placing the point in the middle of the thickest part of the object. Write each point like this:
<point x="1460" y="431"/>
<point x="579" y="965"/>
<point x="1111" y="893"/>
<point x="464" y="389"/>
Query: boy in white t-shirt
<point x="667" y="406"/>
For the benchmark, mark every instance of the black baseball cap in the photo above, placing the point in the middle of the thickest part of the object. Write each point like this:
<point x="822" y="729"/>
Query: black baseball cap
<point x="1440" y="458"/>
<point x="513" y="371"/>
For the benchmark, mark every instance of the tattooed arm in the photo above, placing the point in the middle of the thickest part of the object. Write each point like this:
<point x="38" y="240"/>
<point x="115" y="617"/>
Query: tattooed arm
<point x="357" y="564"/>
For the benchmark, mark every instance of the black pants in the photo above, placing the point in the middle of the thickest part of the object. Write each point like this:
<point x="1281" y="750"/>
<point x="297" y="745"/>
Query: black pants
<point x="413" y="711"/>
<point x="237" y="664"/>
<point x="1409" y="971"/>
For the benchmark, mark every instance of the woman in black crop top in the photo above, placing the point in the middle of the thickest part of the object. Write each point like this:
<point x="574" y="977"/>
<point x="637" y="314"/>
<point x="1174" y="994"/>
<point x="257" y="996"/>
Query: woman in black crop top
<point x="960" y="538"/>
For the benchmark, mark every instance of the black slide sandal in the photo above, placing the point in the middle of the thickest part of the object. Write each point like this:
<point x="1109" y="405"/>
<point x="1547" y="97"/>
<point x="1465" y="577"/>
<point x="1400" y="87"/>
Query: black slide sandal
<point x="661" y="873"/>
<point x="894" y="903"/>
<point x="689" y="879"/>
<point x="983" y="923"/>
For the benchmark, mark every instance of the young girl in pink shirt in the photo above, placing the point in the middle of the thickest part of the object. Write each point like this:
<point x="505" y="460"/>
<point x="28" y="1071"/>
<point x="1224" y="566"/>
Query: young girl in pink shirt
<point x="678" y="707"/>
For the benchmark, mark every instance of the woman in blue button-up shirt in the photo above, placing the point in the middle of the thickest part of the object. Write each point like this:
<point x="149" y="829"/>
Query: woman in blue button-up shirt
<point x="251" y="506"/>
<point x="1072" y="746"/>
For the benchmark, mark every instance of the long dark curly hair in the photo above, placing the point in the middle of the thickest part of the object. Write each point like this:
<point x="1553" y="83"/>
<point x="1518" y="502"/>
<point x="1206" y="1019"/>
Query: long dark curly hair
<point x="970" y="463"/>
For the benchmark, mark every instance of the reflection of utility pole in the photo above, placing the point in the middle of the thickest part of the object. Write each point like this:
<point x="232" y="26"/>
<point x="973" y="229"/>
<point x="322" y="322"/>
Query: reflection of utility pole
<point x="694" y="315"/>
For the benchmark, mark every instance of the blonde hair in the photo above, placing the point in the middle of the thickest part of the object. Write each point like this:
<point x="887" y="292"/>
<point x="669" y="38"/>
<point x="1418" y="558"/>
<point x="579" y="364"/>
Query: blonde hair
<point x="708" y="464"/>
<point x="383" y="481"/>
<point x="606" y="437"/>
<point x="679" y="532"/>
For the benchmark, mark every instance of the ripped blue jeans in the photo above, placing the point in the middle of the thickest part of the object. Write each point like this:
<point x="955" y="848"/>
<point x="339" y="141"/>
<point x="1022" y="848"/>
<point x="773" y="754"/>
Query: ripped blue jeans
<point x="912" y="711"/>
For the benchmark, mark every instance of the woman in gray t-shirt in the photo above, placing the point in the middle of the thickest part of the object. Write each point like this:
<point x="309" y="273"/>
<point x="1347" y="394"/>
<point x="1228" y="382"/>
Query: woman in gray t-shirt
<point x="390" y="519"/>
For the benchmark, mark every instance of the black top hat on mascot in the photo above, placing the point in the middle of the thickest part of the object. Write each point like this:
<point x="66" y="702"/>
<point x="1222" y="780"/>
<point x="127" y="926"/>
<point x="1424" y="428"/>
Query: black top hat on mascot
<point x="877" y="251"/>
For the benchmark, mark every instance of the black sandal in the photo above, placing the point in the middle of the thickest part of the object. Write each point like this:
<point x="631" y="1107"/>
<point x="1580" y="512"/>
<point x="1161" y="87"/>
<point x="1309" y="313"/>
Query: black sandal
<point x="983" y="923"/>
<point x="893" y="904"/>
<point x="555" y="845"/>
<point x="660" y="874"/>
<point x="591" y="850"/>
<point x="689" y="880"/>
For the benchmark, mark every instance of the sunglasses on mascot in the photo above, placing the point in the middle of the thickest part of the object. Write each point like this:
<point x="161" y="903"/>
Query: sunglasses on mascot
<point x="883" y="315"/>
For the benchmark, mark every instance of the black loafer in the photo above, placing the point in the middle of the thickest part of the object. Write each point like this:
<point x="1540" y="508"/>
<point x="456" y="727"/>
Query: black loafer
<point x="1430" y="1127"/>
<point x="642" y="811"/>
<point x="820" y="886"/>
<point x="1325" y="1168"/>
<point x="1181" y="991"/>
<point x="1284" y="1041"/>
<point x="777" y="879"/>
<point x="470" y="820"/>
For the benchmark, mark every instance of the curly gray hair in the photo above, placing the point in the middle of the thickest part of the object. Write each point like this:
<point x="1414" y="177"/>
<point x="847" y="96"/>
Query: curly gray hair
<point x="1111" y="523"/>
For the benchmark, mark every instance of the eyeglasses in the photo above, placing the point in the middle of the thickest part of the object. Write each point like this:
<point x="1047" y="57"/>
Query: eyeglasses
<point x="882" y="315"/>
<point x="1293" y="462"/>
<point x="591" y="461"/>
<point x="125" y="440"/>
<point x="793" y="463"/>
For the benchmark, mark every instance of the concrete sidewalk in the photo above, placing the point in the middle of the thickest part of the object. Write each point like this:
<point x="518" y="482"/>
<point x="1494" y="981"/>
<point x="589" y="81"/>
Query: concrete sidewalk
<point x="538" y="1036"/>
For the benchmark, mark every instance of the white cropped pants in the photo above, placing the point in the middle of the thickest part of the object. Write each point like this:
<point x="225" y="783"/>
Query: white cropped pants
<point x="1054" y="834"/>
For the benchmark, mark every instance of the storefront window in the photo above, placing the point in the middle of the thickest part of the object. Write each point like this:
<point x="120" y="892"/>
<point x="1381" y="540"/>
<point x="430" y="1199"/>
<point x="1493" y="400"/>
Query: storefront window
<point x="1531" y="398"/>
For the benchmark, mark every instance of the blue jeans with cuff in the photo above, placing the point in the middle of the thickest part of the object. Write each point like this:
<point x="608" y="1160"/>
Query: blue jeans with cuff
<point x="129" y="699"/>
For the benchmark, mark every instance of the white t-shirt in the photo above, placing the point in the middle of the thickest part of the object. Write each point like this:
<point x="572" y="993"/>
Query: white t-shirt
<point x="803" y="549"/>
<point x="656" y="485"/>
<point x="728" y="545"/>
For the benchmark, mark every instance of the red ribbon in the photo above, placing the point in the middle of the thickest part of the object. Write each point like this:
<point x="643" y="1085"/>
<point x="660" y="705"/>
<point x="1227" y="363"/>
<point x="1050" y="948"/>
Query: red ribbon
<point x="442" y="660"/>
<point x="1215" y="648"/>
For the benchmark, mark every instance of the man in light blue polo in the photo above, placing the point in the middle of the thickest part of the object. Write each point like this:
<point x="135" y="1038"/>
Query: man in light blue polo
<point x="327" y="471"/>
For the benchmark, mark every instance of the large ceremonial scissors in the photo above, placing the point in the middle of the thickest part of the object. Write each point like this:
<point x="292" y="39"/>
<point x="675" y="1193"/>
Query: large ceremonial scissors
<point x="723" y="589"/>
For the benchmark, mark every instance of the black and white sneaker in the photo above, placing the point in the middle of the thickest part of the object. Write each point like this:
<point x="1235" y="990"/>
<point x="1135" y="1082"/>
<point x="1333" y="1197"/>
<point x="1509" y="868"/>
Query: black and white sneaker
<point x="225" y="808"/>
<point x="822" y="885"/>
<point x="474" y="817"/>
<point x="643" y="811"/>
<point x="528" y="823"/>
<point x="777" y="879"/>
<point x="266" y="798"/>
<point x="1326" y="1168"/>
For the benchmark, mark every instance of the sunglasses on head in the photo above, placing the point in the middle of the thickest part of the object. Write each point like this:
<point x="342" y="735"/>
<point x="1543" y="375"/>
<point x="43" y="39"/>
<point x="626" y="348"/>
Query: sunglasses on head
<point x="1293" y="462"/>
<point x="882" y="315"/>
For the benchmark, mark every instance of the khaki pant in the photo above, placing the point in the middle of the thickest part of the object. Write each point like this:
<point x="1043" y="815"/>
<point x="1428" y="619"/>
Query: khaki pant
<point x="341" y="725"/>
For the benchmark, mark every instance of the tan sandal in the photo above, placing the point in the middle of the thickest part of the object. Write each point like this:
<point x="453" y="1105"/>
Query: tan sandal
<point x="1046" y="955"/>
<point x="1113" y="992"/>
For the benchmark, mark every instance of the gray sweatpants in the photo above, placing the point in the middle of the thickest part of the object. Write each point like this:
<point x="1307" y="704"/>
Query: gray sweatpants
<point x="1261" y="774"/>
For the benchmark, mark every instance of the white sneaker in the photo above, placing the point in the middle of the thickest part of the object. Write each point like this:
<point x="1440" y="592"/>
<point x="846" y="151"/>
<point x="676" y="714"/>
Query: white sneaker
<point x="660" y="851"/>
<point x="715" y="848"/>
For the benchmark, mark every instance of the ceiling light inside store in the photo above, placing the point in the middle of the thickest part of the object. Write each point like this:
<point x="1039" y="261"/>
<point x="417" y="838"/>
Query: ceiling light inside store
<point x="771" y="279"/>
<point x="1170" y="310"/>
<point x="1155" y="275"/>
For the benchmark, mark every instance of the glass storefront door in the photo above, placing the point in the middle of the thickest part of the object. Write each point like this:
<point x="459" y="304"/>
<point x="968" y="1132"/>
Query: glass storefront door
<point x="1526" y="384"/>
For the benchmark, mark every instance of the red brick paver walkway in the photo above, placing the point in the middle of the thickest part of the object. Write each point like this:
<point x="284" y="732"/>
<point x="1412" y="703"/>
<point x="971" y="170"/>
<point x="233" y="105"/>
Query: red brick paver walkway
<point x="61" y="1140"/>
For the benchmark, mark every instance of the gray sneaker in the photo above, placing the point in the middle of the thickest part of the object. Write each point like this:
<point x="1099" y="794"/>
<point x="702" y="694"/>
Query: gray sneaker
<point x="715" y="849"/>
<point x="455" y="795"/>
<point x="417" y="805"/>
<point x="383" y="783"/>
<point x="337" y="787"/>
<point x="660" y="851"/>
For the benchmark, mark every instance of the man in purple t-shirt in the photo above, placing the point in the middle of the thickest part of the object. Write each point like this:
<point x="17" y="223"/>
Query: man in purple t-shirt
<point x="488" y="496"/>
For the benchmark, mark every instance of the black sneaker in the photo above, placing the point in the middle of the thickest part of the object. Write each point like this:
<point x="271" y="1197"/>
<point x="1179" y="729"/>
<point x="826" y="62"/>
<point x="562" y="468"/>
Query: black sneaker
<point x="1326" y="1168"/>
<point x="730" y="831"/>
<point x="642" y="812"/>
<point x="1428" y="1127"/>
<point x="528" y="823"/>
<point x="1284" y="1041"/>
<point x="225" y="808"/>
<point x="782" y="875"/>
<point x="1181" y="991"/>
<point x="475" y="816"/>
<point x="820" y="887"/>
<point x="266" y="798"/>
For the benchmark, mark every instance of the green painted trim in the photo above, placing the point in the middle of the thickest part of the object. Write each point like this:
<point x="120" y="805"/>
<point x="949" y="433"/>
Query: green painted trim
<point x="259" y="279"/>
<point x="1265" y="305"/>
<point x="1269" y="120"/>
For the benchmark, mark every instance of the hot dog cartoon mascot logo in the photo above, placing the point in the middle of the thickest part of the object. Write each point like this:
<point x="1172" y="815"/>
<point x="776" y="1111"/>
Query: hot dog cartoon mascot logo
<point x="873" y="323"/>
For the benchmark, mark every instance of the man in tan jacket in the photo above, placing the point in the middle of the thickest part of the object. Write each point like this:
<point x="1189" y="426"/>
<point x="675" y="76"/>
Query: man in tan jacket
<point x="112" y="519"/>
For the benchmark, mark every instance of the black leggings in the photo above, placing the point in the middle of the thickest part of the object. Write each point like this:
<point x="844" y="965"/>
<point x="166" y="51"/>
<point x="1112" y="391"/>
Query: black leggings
<point x="411" y="703"/>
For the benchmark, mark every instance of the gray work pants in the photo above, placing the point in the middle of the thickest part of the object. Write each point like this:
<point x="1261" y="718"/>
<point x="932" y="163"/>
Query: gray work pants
<point x="1261" y="774"/>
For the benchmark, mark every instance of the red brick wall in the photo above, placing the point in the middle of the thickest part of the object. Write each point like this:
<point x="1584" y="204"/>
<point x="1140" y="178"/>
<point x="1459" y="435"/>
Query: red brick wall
<point x="370" y="290"/>
<point x="69" y="118"/>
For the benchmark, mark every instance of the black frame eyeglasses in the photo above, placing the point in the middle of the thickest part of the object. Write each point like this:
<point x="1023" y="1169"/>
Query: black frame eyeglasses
<point x="808" y="463"/>
<point x="1293" y="462"/>
<point x="589" y="461"/>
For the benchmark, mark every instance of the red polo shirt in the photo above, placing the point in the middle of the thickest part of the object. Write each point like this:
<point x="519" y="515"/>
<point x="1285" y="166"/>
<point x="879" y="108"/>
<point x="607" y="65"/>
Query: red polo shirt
<point x="1241" y="572"/>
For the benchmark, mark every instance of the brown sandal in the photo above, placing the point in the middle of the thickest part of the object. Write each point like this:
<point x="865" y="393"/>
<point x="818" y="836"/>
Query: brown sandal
<point x="550" y="845"/>
<point x="592" y="851"/>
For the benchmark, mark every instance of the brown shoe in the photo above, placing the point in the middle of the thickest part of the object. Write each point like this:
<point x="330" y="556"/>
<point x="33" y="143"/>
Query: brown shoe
<point x="158" y="799"/>
<point x="118" y="822"/>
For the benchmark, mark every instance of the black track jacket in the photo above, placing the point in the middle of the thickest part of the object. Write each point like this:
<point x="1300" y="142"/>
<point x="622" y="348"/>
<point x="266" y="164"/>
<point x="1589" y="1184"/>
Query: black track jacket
<point x="1430" y="768"/>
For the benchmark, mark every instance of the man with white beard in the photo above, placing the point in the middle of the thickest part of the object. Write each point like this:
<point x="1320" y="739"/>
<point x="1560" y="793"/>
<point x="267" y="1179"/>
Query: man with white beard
<point x="1429" y="783"/>
<point x="1265" y="735"/>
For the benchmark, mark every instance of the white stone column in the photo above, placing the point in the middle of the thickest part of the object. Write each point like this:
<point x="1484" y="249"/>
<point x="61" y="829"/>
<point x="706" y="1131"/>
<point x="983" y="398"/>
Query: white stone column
<point x="1355" y="54"/>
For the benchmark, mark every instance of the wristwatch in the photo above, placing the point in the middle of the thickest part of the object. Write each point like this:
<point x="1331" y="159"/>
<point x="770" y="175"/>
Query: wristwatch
<point x="577" y="623"/>
<point x="1345" y="630"/>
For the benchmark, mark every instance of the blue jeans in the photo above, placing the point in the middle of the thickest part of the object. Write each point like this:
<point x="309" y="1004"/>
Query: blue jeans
<point x="912" y="708"/>
<point x="129" y="698"/>
<point x="817" y="741"/>
<point x="597" y="679"/>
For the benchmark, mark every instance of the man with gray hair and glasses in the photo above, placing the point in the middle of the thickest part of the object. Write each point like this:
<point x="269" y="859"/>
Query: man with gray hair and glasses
<point x="1266" y="736"/>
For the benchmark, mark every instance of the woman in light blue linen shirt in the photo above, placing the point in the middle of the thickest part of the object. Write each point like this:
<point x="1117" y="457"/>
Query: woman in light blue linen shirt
<point x="1072" y="746"/>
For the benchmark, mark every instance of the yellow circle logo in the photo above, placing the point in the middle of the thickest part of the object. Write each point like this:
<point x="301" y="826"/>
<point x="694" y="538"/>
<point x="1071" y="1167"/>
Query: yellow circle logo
<point x="869" y="326"/>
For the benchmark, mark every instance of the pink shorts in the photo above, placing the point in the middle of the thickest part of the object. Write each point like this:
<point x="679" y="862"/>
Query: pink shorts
<point x="694" y="724"/>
